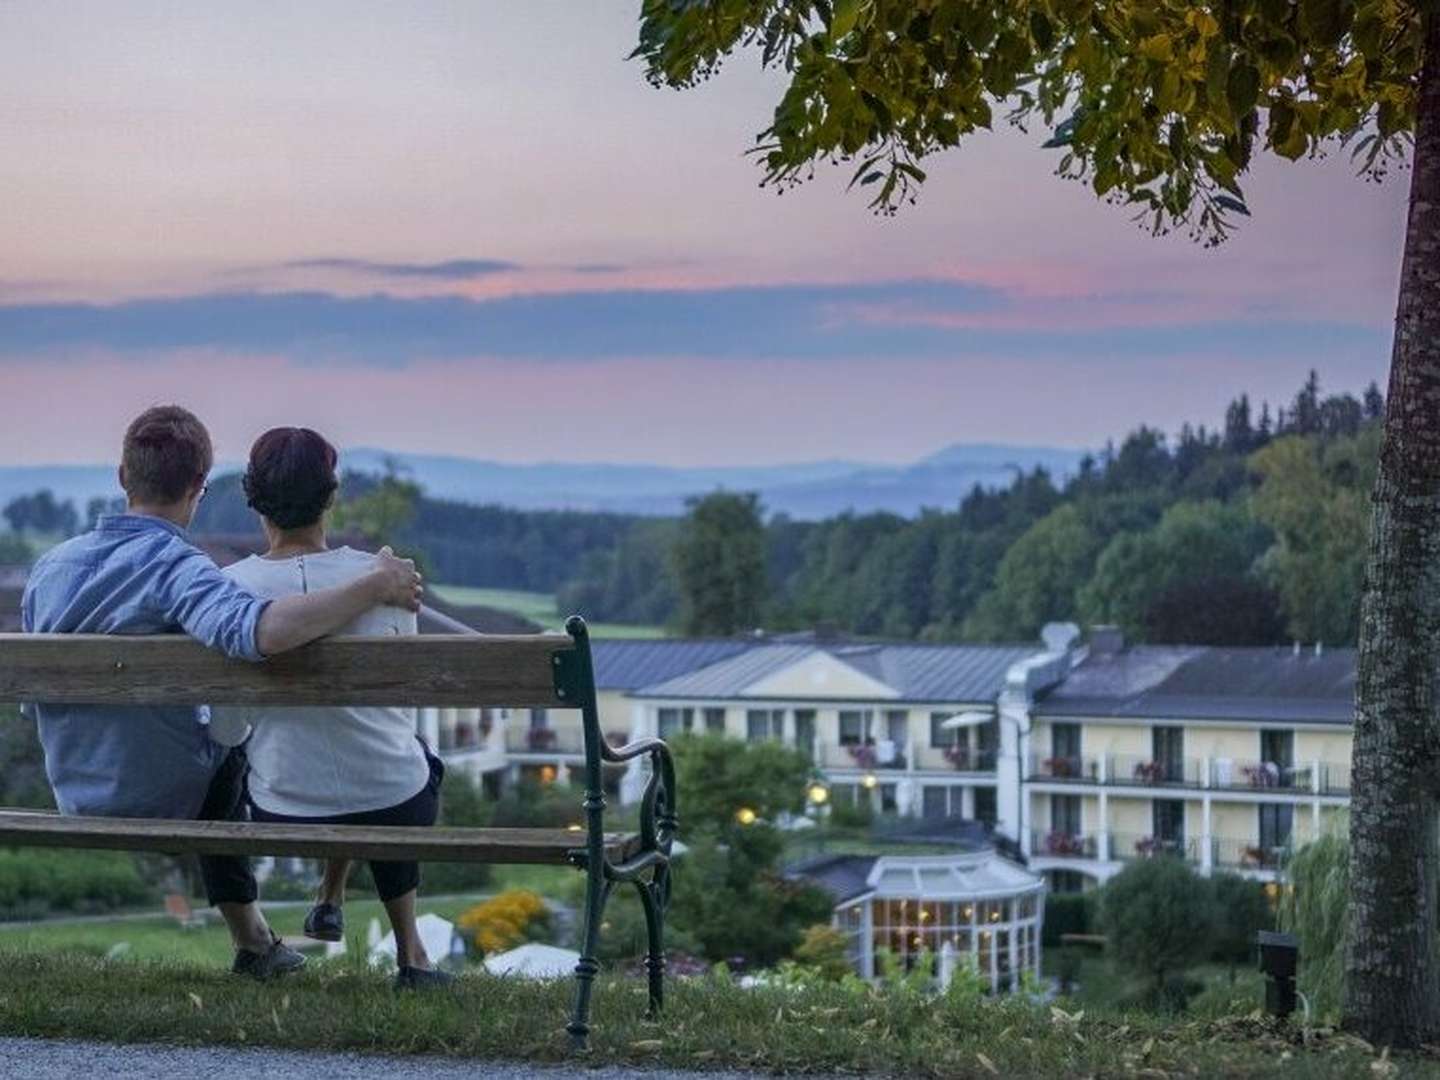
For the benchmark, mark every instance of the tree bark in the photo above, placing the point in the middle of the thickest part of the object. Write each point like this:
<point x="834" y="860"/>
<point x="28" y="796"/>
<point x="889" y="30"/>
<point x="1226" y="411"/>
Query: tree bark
<point x="1392" y="979"/>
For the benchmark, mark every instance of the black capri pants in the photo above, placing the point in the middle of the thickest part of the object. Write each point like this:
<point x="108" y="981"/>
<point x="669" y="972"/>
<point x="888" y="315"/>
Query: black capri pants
<point x="392" y="879"/>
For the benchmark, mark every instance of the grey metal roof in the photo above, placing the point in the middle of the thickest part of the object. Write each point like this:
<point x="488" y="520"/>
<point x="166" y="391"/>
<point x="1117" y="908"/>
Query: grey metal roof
<point x="939" y="673"/>
<point x="729" y="676"/>
<point x="844" y="877"/>
<point x="627" y="664"/>
<point x="1163" y="682"/>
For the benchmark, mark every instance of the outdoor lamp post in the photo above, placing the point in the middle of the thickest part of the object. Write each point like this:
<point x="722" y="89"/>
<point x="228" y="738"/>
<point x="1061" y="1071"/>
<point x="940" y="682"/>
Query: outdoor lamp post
<point x="745" y="816"/>
<point x="1279" y="957"/>
<point x="817" y="794"/>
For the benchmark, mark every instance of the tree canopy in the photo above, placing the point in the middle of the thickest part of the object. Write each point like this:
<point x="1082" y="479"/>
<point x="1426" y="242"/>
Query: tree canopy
<point x="1157" y="105"/>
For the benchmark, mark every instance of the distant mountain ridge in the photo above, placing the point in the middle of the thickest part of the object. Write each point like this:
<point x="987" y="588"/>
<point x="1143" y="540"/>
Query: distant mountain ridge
<point x="808" y="490"/>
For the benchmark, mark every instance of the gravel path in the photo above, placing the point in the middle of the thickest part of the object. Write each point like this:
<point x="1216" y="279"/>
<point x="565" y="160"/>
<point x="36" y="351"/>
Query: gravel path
<point x="45" y="1059"/>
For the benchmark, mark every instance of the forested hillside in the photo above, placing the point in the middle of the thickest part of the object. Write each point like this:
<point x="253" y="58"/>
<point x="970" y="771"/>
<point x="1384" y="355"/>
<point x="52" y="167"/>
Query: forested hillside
<point x="1251" y="532"/>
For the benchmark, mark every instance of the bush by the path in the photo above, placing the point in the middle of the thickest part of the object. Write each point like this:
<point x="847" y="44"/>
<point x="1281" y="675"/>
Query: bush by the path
<point x="35" y="882"/>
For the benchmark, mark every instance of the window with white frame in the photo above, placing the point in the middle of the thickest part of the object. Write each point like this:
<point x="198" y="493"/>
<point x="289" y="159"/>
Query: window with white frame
<point x="762" y="724"/>
<point x="855" y="727"/>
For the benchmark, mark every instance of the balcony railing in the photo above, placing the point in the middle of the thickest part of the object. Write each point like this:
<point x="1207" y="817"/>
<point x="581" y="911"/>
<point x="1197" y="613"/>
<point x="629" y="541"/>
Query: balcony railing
<point x="1132" y="769"/>
<point x="1058" y="843"/>
<point x="1248" y="854"/>
<point x="461" y="737"/>
<point x="968" y="759"/>
<point x="876" y="756"/>
<point x="1129" y="846"/>
<point x="1261" y="775"/>
<point x="1334" y="779"/>
<point x="1080" y="770"/>
<point x="544" y="741"/>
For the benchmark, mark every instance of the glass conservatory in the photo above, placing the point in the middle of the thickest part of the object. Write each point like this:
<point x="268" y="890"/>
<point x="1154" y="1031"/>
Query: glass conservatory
<point x="978" y="903"/>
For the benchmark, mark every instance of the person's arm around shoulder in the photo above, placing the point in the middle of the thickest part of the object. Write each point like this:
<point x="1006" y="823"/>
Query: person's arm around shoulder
<point x="193" y="594"/>
<point x="292" y="621"/>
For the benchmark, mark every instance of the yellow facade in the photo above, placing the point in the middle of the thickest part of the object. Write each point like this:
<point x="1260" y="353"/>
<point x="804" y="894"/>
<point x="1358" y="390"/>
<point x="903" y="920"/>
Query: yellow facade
<point x="1240" y="821"/>
<point x="1097" y="740"/>
<point x="1331" y="747"/>
<point x="820" y="676"/>
<point x="1221" y="743"/>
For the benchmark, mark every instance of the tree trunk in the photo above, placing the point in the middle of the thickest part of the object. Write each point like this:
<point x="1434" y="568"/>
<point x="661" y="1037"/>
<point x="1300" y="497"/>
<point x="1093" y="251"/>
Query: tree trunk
<point x="1392" y="982"/>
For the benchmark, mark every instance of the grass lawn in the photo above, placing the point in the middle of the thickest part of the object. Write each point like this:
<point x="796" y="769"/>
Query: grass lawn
<point x="709" y="1023"/>
<point x="537" y="607"/>
<point x="160" y="938"/>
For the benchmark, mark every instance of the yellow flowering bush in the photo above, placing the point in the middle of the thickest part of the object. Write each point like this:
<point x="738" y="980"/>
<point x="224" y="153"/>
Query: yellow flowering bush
<point x="502" y="922"/>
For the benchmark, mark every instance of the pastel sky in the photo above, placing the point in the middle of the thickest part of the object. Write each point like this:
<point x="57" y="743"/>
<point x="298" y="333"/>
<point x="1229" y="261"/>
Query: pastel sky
<point x="474" y="229"/>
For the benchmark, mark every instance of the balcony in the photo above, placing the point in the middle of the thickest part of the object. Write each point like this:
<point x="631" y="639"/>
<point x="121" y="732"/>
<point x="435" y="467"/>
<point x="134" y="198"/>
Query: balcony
<point x="544" y="741"/>
<point x="1248" y="855"/>
<point x="1334" y="779"/>
<point x="1076" y="770"/>
<point x="877" y="756"/>
<point x="1130" y="846"/>
<point x="1263" y="776"/>
<point x="1133" y="769"/>
<point x="462" y="737"/>
<point x="1061" y="844"/>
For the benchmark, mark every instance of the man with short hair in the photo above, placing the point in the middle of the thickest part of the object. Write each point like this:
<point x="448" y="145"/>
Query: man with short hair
<point x="137" y="573"/>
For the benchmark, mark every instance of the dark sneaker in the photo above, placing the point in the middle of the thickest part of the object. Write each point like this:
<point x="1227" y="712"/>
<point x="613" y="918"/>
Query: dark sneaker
<point x="278" y="959"/>
<point x="413" y="978"/>
<point x="326" y="922"/>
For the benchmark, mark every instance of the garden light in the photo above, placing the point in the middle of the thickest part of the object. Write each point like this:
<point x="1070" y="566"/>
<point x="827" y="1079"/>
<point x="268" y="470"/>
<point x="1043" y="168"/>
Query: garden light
<point x="1279" y="956"/>
<point x="745" y="816"/>
<point x="818" y="794"/>
<point x="869" y="781"/>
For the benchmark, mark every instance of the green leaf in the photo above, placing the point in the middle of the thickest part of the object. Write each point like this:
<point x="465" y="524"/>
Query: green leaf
<point x="1232" y="204"/>
<point x="1242" y="89"/>
<point x="847" y="14"/>
<point x="1324" y="22"/>
<point x="1042" y="30"/>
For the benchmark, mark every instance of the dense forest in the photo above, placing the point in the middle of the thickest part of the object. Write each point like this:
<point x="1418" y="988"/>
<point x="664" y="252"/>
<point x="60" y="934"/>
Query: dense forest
<point x="1251" y="532"/>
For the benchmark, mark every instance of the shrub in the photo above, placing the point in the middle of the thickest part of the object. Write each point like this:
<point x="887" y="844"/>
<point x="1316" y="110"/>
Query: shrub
<point x="505" y="921"/>
<point x="35" y="882"/>
<point x="1316" y="910"/>
<point x="462" y="805"/>
<point x="1241" y="911"/>
<point x="852" y="815"/>
<point x="529" y="805"/>
<point x="730" y="898"/>
<point x="1157" y="916"/>
<point x="1067" y="913"/>
<point x="824" y="950"/>
<point x="623" y="936"/>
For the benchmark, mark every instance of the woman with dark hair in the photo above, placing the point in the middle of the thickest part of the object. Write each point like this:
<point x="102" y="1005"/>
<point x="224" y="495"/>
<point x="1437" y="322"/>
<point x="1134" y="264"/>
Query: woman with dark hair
<point x="333" y="765"/>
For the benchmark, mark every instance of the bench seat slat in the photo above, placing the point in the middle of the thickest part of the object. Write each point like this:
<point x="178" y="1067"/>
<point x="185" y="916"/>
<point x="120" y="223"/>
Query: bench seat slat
<point x="442" y="669"/>
<point x="501" y="846"/>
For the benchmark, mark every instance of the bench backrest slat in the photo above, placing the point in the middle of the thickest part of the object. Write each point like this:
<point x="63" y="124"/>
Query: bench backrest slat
<point x="448" y="670"/>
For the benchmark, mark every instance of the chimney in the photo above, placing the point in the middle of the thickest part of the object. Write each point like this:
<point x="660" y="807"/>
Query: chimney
<point x="1106" y="640"/>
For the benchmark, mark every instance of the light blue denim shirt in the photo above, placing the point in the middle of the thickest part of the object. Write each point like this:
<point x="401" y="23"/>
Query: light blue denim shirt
<point x="134" y="574"/>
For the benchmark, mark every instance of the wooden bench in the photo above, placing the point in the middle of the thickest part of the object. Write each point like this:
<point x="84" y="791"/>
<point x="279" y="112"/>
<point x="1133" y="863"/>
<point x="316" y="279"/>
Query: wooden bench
<point x="470" y="670"/>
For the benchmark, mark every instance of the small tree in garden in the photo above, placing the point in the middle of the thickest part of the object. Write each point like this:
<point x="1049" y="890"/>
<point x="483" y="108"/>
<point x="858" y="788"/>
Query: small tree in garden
<point x="719" y="777"/>
<point x="824" y="950"/>
<point x="1161" y="107"/>
<point x="1241" y="912"/>
<point x="1158" y="919"/>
